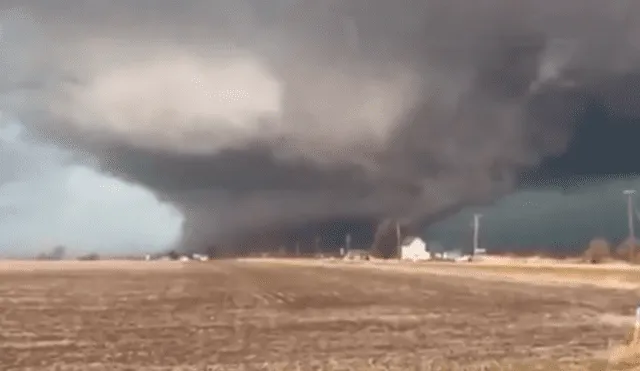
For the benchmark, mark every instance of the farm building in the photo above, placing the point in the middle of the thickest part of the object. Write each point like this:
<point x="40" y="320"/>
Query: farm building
<point x="453" y="255"/>
<point x="414" y="248"/>
<point x="356" y="255"/>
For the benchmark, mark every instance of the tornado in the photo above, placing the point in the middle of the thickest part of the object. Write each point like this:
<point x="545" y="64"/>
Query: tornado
<point x="274" y="122"/>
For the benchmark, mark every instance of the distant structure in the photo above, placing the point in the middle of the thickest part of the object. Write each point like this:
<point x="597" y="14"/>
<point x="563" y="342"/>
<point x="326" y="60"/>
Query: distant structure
<point x="414" y="248"/>
<point x="356" y="254"/>
<point x="89" y="257"/>
<point x="454" y="255"/>
<point x="200" y="257"/>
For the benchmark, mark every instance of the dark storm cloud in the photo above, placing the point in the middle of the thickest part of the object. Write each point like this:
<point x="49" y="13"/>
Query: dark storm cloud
<point x="250" y="114"/>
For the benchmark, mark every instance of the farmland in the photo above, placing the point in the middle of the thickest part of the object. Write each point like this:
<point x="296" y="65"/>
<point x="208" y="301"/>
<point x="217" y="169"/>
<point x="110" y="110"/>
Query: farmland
<point x="297" y="315"/>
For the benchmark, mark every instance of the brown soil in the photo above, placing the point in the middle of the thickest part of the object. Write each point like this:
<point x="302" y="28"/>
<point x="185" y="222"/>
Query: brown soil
<point x="268" y="315"/>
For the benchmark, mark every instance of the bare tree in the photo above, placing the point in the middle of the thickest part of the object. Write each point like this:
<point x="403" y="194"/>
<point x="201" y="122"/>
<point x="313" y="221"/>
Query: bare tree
<point x="598" y="251"/>
<point x="624" y="250"/>
<point x="89" y="257"/>
<point x="385" y="244"/>
<point x="58" y="252"/>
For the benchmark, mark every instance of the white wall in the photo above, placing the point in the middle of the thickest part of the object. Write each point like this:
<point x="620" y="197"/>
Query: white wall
<point x="416" y="250"/>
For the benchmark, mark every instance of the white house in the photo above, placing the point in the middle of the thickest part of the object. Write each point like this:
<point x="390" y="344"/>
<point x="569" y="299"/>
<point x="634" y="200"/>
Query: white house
<point x="480" y="251"/>
<point x="414" y="248"/>
<point x="200" y="257"/>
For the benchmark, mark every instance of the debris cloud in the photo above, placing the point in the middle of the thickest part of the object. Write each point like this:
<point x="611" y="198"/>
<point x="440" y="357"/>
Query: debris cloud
<point x="251" y="115"/>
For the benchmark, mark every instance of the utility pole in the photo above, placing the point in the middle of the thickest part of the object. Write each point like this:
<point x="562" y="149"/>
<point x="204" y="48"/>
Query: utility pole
<point x="632" y="236"/>
<point x="297" y="248"/>
<point x="316" y="245"/>
<point x="398" y="240"/>
<point x="347" y="243"/>
<point x="476" y="230"/>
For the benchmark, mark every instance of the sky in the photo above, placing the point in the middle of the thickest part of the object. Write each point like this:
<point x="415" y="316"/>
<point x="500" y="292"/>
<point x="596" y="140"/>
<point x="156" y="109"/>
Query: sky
<point x="544" y="219"/>
<point x="47" y="200"/>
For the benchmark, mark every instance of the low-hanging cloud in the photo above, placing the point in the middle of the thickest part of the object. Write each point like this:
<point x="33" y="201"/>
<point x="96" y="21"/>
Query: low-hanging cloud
<point x="250" y="114"/>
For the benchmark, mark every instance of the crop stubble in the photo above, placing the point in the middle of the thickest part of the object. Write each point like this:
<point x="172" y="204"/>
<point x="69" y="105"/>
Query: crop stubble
<point x="256" y="315"/>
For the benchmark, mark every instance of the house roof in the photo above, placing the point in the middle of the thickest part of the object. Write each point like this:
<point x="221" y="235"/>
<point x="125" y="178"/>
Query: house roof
<point x="409" y="239"/>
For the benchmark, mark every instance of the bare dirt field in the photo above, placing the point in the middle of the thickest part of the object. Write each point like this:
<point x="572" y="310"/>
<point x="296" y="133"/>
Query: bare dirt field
<point x="303" y="315"/>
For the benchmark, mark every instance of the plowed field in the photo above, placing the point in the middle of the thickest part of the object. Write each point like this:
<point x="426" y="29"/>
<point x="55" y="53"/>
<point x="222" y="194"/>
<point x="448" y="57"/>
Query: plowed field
<point x="244" y="315"/>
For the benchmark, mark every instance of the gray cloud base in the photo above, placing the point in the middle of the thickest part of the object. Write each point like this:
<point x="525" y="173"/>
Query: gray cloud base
<point x="252" y="114"/>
